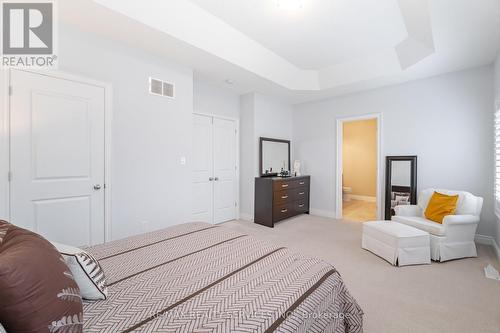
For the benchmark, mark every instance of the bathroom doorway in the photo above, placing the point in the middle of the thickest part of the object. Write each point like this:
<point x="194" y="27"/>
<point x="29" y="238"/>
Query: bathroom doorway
<point x="358" y="168"/>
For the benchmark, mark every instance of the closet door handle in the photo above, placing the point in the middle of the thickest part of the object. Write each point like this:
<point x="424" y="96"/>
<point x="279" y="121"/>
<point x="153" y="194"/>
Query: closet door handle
<point x="216" y="179"/>
<point x="284" y="197"/>
<point x="211" y="179"/>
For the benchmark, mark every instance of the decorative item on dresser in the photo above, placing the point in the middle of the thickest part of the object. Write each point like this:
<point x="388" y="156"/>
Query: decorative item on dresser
<point x="279" y="198"/>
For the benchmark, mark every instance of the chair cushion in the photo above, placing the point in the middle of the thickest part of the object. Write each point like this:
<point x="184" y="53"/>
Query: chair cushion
<point x="441" y="205"/>
<point x="422" y="224"/>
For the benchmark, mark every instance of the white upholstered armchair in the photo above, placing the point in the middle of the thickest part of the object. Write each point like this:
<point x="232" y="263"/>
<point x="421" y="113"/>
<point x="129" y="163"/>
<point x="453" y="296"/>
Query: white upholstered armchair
<point x="452" y="239"/>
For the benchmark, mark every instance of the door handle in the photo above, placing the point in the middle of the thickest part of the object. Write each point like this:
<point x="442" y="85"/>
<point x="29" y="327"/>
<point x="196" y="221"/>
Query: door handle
<point x="97" y="187"/>
<point x="284" y="185"/>
<point x="284" y="210"/>
<point x="284" y="197"/>
<point x="216" y="179"/>
<point x="211" y="179"/>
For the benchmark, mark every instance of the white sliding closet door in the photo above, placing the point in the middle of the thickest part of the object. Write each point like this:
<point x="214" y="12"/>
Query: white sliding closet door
<point x="214" y="169"/>
<point x="57" y="158"/>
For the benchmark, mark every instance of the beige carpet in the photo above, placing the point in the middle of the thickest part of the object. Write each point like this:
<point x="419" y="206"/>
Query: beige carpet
<point x="441" y="297"/>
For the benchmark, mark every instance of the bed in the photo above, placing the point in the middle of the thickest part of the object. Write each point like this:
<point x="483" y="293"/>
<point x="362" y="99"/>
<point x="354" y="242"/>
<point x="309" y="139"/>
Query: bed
<point x="198" y="277"/>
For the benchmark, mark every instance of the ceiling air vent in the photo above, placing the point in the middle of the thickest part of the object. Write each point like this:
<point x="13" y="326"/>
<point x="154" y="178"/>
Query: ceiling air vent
<point x="161" y="88"/>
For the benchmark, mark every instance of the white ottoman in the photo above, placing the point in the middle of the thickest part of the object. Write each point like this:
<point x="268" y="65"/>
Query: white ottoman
<point x="397" y="243"/>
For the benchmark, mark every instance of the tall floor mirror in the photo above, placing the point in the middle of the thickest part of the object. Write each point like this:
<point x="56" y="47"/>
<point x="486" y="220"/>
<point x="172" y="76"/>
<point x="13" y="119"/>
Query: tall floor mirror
<point x="401" y="183"/>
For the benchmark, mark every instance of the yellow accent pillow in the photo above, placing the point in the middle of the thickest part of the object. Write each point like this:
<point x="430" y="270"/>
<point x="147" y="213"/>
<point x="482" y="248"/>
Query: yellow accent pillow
<point x="440" y="206"/>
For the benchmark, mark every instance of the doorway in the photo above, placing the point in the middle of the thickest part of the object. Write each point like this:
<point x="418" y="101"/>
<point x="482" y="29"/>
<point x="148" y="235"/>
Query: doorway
<point x="215" y="169"/>
<point x="58" y="157"/>
<point x="358" y="169"/>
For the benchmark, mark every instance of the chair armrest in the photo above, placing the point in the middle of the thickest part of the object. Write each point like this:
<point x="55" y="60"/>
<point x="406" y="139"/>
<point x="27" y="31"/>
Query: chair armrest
<point x="460" y="219"/>
<point x="408" y="210"/>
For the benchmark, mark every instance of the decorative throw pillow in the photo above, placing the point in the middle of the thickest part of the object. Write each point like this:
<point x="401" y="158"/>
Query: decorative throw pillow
<point x="37" y="291"/>
<point x="86" y="270"/>
<point x="2" y="330"/>
<point x="441" y="205"/>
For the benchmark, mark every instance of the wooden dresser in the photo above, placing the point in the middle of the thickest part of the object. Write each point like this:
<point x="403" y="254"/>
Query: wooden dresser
<point x="279" y="198"/>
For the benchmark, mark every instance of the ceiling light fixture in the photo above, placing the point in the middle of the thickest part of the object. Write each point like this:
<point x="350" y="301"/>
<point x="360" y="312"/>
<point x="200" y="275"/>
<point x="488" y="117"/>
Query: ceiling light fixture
<point x="290" y="5"/>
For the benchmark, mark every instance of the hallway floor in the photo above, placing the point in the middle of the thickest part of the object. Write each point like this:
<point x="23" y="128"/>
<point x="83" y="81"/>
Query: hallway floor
<point x="357" y="210"/>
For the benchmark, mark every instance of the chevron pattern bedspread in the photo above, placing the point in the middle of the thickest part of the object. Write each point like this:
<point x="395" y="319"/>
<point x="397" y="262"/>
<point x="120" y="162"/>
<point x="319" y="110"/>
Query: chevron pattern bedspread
<point x="197" y="277"/>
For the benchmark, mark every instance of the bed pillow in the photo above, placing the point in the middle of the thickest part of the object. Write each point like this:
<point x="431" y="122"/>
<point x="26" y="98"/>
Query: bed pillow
<point x="37" y="291"/>
<point x="2" y="330"/>
<point x="86" y="270"/>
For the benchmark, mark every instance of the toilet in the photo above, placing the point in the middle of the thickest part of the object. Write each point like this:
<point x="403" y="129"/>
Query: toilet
<point x="345" y="193"/>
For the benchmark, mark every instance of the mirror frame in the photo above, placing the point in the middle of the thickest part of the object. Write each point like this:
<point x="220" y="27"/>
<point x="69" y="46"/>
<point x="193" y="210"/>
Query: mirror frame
<point x="261" y="140"/>
<point x="388" y="176"/>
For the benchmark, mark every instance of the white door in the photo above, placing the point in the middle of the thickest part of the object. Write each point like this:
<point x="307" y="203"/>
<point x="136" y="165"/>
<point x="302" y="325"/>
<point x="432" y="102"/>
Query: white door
<point x="214" y="169"/>
<point x="57" y="158"/>
<point x="224" y="142"/>
<point x="202" y="169"/>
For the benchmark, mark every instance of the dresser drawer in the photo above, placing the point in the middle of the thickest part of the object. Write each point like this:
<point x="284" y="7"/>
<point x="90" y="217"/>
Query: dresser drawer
<point x="302" y="206"/>
<point x="281" y="197"/>
<point x="302" y="193"/>
<point x="302" y="182"/>
<point x="285" y="184"/>
<point x="283" y="211"/>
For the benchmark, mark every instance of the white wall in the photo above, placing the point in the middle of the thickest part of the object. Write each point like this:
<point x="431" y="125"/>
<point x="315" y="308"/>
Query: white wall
<point x="447" y="121"/>
<point x="273" y="119"/>
<point x="150" y="133"/>
<point x="497" y="98"/>
<point x="214" y="99"/>
<point x="247" y="155"/>
<point x="260" y="116"/>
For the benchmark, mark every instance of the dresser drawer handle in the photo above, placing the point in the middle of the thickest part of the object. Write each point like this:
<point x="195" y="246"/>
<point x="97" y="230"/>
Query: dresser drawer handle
<point x="302" y="205"/>
<point x="284" y="210"/>
<point x="302" y="193"/>
<point x="302" y="183"/>
<point x="284" y="197"/>
<point x="284" y="185"/>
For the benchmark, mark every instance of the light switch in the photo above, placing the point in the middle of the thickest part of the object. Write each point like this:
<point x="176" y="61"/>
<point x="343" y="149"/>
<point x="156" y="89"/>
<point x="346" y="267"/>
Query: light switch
<point x="183" y="160"/>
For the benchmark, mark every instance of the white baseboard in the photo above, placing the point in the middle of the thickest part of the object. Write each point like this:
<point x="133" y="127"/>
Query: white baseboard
<point x="488" y="240"/>
<point x="361" y="197"/>
<point x="246" y="217"/>
<point x="322" y="213"/>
